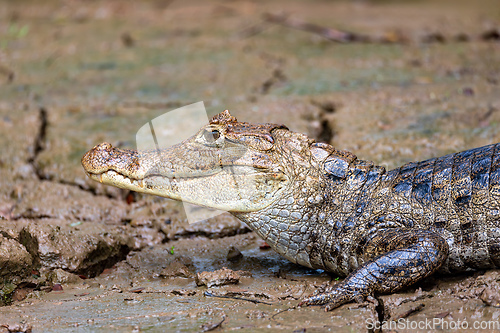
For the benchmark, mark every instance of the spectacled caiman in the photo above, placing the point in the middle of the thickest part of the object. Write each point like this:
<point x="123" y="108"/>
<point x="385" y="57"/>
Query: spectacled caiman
<point x="324" y="208"/>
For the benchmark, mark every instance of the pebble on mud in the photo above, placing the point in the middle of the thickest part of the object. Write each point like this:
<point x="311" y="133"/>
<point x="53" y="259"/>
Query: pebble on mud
<point x="127" y="39"/>
<point x="62" y="277"/>
<point x="217" y="278"/>
<point x="14" y="258"/>
<point x="491" y="297"/>
<point x="264" y="246"/>
<point x="179" y="267"/>
<point x="137" y="290"/>
<point x="256" y="314"/>
<point x="234" y="254"/>
<point x="468" y="91"/>
<point x="22" y="292"/>
<point x="20" y="328"/>
<point x="57" y="287"/>
<point x="183" y="292"/>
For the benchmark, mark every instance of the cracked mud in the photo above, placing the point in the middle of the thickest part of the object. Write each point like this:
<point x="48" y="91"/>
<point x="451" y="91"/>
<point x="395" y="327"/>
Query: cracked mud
<point x="423" y="81"/>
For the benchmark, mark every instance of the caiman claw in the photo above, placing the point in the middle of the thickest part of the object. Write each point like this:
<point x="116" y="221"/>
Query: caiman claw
<point x="334" y="297"/>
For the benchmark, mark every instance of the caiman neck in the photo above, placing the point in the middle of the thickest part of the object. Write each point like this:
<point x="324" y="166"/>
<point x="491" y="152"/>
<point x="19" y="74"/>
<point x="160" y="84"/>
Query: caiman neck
<point x="305" y="220"/>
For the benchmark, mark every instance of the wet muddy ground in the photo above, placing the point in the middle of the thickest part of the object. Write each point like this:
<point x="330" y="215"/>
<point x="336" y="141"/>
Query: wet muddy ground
<point x="411" y="80"/>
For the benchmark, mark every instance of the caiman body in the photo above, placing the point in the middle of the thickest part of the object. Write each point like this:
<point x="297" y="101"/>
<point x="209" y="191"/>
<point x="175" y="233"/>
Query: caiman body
<point x="324" y="208"/>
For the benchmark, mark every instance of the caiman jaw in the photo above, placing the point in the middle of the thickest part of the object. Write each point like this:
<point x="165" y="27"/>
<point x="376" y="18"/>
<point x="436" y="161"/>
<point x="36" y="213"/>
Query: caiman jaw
<point x="236" y="188"/>
<point x="109" y="165"/>
<point x="127" y="168"/>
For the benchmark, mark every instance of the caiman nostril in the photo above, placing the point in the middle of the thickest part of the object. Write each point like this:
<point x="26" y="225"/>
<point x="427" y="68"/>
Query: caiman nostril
<point x="96" y="159"/>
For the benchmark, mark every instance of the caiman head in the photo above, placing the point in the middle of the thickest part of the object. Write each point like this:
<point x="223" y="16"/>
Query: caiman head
<point x="275" y="180"/>
<point x="228" y="165"/>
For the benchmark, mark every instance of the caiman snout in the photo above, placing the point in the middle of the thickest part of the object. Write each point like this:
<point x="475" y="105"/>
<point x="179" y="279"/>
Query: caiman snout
<point x="105" y="157"/>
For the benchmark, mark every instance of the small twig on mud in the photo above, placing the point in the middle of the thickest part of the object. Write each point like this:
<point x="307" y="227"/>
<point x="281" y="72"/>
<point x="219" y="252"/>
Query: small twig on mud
<point x="252" y="30"/>
<point x="409" y="312"/>
<point x="488" y="113"/>
<point x="211" y="326"/>
<point x="328" y="33"/>
<point x="209" y="294"/>
<point x="281" y="311"/>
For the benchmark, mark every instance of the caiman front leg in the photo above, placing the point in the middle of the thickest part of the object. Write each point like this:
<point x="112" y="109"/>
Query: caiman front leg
<point x="395" y="258"/>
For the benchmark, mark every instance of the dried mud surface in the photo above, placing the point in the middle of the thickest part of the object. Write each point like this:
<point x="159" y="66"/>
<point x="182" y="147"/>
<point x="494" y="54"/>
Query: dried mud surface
<point x="78" y="256"/>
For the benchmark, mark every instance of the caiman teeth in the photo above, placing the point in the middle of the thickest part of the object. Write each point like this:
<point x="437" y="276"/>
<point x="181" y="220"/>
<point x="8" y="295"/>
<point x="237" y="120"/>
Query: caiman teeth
<point x="140" y="182"/>
<point x="100" y="177"/>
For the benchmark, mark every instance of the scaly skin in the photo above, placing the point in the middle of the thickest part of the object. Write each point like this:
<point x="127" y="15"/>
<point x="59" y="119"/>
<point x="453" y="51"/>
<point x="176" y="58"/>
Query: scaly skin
<point x="324" y="208"/>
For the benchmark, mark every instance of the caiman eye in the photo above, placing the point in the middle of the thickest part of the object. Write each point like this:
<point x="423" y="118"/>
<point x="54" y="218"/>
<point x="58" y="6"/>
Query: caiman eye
<point x="211" y="136"/>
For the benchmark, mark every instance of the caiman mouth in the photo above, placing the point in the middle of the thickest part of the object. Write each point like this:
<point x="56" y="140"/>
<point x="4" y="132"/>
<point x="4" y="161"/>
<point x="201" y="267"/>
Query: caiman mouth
<point x="113" y="173"/>
<point x="114" y="177"/>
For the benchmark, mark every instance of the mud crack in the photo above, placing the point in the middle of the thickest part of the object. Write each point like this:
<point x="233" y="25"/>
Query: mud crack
<point x="380" y="310"/>
<point x="322" y="125"/>
<point x="39" y="144"/>
<point x="277" y="77"/>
